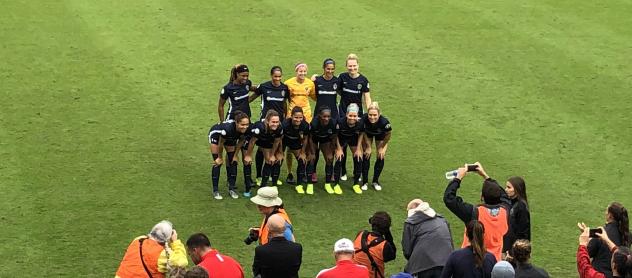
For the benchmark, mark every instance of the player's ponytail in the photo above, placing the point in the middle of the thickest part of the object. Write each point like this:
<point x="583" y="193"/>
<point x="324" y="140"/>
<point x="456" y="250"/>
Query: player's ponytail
<point x="475" y="232"/>
<point x="620" y="215"/>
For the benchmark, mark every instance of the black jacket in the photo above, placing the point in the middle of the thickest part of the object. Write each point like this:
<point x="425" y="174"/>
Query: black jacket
<point x="529" y="271"/>
<point x="461" y="209"/>
<point x="599" y="251"/>
<point x="278" y="258"/>
<point x="519" y="224"/>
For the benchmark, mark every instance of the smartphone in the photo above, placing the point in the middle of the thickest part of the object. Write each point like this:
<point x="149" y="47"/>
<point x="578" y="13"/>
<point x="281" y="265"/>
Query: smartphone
<point x="593" y="232"/>
<point x="472" y="167"/>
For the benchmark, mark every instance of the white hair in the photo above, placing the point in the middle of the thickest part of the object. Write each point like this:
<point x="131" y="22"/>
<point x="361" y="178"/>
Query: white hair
<point x="353" y="108"/>
<point x="162" y="231"/>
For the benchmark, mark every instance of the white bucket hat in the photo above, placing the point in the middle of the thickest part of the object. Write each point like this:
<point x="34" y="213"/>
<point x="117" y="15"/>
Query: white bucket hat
<point x="267" y="197"/>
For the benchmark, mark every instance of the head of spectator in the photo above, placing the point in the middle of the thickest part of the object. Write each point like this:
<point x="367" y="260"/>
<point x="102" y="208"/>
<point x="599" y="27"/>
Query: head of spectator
<point x="475" y="234"/>
<point x="516" y="189"/>
<point x="343" y="249"/>
<point x="621" y="262"/>
<point x="381" y="222"/>
<point x="162" y="232"/>
<point x="196" y="272"/>
<point x="618" y="214"/>
<point x="198" y="245"/>
<point x="491" y="192"/>
<point x="503" y="269"/>
<point x="417" y="205"/>
<point x="521" y="251"/>
<point x="267" y="199"/>
<point x="276" y="226"/>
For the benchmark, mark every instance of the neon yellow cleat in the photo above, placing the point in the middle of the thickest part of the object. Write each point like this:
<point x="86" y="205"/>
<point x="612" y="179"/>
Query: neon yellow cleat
<point x="299" y="189"/>
<point x="328" y="188"/>
<point x="337" y="189"/>
<point x="258" y="181"/>
<point x="310" y="189"/>
<point x="357" y="189"/>
<point x="279" y="182"/>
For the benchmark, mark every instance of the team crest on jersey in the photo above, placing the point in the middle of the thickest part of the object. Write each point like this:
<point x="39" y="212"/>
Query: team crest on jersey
<point x="247" y="87"/>
<point x="283" y="93"/>
<point x="359" y="86"/>
<point x="388" y="126"/>
<point x="306" y="88"/>
<point x="335" y="86"/>
<point x="330" y="131"/>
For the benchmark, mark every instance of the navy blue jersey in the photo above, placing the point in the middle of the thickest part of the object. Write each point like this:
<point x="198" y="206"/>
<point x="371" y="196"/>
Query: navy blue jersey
<point x="346" y="131"/>
<point x="380" y="128"/>
<point x="273" y="97"/>
<point x="351" y="91"/>
<point x="295" y="133"/>
<point x="327" y="95"/>
<point x="319" y="131"/>
<point x="237" y="96"/>
<point x="228" y="131"/>
<point x="265" y="137"/>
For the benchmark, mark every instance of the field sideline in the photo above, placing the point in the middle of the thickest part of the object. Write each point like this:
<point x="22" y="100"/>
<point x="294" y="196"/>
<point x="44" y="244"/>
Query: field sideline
<point x="105" y="107"/>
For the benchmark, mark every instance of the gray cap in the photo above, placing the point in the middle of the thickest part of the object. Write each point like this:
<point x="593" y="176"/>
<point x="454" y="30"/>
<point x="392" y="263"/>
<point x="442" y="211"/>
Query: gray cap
<point x="503" y="269"/>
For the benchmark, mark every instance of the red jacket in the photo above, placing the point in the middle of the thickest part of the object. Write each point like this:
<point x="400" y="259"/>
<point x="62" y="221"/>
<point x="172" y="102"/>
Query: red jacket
<point x="584" y="267"/>
<point x="221" y="266"/>
<point x="344" y="269"/>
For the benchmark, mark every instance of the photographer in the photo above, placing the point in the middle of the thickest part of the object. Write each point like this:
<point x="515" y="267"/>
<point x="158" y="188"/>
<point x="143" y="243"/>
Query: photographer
<point x="279" y="258"/>
<point x="493" y="213"/>
<point x="618" y="231"/>
<point x="268" y="203"/>
<point x="152" y="255"/>
<point x="620" y="262"/>
<point x="375" y="248"/>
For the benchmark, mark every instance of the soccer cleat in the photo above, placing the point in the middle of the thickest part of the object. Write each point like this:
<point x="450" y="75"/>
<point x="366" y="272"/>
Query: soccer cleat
<point x="337" y="189"/>
<point x="289" y="179"/>
<point x="314" y="178"/>
<point x="357" y="189"/>
<point x="343" y="177"/>
<point x="247" y="194"/>
<point x="299" y="189"/>
<point x="217" y="196"/>
<point x="377" y="186"/>
<point x="279" y="183"/>
<point x="328" y="188"/>
<point x="258" y="181"/>
<point x="233" y="194"/>
<point x="310" y="189"/>
<point x="365" y="187"/>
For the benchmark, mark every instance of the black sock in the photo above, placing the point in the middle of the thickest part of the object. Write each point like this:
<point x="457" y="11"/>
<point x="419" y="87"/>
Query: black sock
<point x="248" y="176"/>
<point x="316" y="161"/>
<point x="337" y="171"/>
<point x="309" y="171"/>
<point x="343" y="169"/>
<point x="231" y="170"/>
<point x="276" y="170"/>
<point x="329" y="171"/>
<point x="300" y="172"/>
<point x="215" y="171"/>
<point x="258" y="162"/>
<point x="366" y="164"/>
<point x="377" y="169"/>
<point x="265" y="174"/>
<point x="357" y="170"/>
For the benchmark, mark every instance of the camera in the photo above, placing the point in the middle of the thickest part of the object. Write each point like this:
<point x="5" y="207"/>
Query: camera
<point x="253" y="235"/>
<point x="472" y="167"/>
<point x="593" y="232"/>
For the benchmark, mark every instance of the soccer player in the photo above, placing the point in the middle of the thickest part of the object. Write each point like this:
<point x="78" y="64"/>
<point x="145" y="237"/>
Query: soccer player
<point x="376" y="128"/>
<point x="295" y="136"/>
<point x="274" y="96"/>
<point x="324" y="134"/>
<point x="353" y="86"/>
<point x="301" y="90"/>
<point x="230" y="136"/>
<point x="267" y="135"/>
<point x="350" y="134"/>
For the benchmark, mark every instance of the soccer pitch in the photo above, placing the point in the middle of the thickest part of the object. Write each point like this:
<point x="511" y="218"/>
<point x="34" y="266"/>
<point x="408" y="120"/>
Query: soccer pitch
<point x="105" y="108"/>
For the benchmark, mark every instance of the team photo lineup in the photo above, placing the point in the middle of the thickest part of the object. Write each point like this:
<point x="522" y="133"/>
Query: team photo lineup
<point x="285" y="139"/>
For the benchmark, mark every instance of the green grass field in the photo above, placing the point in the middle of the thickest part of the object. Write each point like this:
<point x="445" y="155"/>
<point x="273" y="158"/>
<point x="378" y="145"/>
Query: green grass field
<point x="105" y="108"/>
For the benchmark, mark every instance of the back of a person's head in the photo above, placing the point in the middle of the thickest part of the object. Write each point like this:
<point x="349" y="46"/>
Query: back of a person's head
<point x="276" y="224"/>
<point x="162" y="231"/>
<point x="177" y="272"/>
<point x="521" y="251"/>
<point x="196" y="272"/>
<point x="622" y="260"/>
<point x="475" y="234"/>
<point x="380" y="222"/>
<point x="491" y="192"/>
<point x="503" y="269"/>
<point x="198" y="240"/>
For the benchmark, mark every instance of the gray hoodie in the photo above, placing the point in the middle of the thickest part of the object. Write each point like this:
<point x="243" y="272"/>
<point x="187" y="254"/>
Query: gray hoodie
<point x="426" y="242"/>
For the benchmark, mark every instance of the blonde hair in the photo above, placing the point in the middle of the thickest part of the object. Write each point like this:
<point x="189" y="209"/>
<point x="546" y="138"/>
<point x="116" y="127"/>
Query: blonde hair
<point x="352" y="56"/>
<point x="374" y="106"/>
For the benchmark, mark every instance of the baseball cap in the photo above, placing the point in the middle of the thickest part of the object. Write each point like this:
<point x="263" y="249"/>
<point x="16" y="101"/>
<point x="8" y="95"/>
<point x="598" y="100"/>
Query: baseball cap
<point x="344" y="245"/>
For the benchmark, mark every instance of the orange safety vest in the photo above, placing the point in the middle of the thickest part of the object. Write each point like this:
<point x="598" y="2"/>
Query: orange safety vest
<point x="496" y="226"/>
<point x="132" y="266"/>
<point x="375" y="245"/>
<point x="263" y="229"/>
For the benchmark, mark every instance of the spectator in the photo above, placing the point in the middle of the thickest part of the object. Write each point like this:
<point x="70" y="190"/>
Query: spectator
<point x="520" y="256"/>
<point x="151" y="254"/>
<point x="519" y="216"/>
<point x="621" y="261"/>
<point x="279" y="257"/>
<point x="177" y="272"/>
<point x="503" y="269"/>
<point x="376" y="247"/>
<point x="196" y="272"/>
<point x="472" y="261"/>
<point x="345" y="267"/>
<point x="617" y="228"/>
<point x="216" y="264"/>
<point x="269" y="203"/>
<point x="426" y="240"/>
<point x="493" y="213"/>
